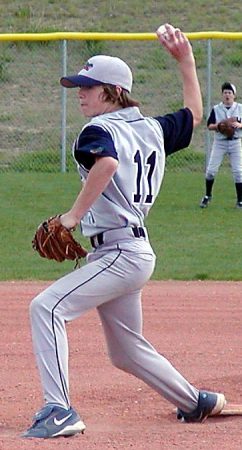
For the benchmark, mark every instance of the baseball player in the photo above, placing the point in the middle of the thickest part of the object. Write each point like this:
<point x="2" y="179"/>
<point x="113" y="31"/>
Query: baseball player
<point x="223" y="145"/>
<point x="120" y="155"/>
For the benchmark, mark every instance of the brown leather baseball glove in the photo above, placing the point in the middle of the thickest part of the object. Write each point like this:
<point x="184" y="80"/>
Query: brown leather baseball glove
<point x="54" y="241"/>
<point x="226" y="128"/>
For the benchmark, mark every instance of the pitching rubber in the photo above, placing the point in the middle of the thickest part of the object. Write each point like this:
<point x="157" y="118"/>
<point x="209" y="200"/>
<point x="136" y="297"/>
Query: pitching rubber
<point x="231" y="409"/>
<point x="224" y="408"/>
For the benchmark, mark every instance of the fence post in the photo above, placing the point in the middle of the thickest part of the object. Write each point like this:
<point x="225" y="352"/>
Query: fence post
<point x="63" y="108"/>
<point x="208" y="109"/>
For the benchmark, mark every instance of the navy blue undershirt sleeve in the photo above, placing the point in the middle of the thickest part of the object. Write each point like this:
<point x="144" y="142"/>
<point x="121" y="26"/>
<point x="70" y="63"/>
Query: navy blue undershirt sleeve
<point x="212" y="118"/>
<point x="177" y="128"/>
<point x="93" y="141"/>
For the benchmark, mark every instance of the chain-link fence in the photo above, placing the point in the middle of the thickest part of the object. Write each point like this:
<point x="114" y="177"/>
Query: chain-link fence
<point x="39" y="119"/>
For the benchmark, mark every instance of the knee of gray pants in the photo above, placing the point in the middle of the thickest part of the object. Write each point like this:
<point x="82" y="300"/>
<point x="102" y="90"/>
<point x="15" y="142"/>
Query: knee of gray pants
<point x="210" y="175"/>
<point x="120" y="361"/>
<point x="237" y="176"/>
<point x="38" y="307"/>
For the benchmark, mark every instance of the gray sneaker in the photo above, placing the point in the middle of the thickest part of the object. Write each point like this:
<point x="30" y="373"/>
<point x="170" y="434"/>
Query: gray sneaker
<point x="205" y="201"/>
<point x="239" y="205"/>
<point x="53" y="421"/>
<point x="209" y="404"/>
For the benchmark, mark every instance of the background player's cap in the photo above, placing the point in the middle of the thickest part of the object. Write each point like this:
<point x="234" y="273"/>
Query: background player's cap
<point x="229" y="86"/>
<point x="101" y="69"/>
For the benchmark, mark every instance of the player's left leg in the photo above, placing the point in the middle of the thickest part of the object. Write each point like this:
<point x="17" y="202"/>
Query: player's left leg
<point x="235" y="156"/>
<point x="131" y="352"/>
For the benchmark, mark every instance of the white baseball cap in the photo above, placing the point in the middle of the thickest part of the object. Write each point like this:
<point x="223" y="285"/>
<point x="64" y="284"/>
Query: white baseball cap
<point x="101" y="69"/>
<point x="229" y="86"/>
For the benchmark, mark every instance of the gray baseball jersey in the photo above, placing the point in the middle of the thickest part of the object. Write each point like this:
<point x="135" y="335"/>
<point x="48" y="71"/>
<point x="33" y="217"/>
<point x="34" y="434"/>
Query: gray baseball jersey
<point x="136" y="183"/>
<point x="122" y="259"/>
<point x="137" y="142"/>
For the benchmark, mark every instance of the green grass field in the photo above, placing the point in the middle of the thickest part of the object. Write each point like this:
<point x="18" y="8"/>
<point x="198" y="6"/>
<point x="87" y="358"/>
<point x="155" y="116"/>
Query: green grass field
<point x="190" y="243"/>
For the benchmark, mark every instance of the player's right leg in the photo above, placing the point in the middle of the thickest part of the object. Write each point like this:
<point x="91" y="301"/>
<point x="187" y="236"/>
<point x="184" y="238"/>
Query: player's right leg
<point x="107" y="275"/>
<point x="215" y="161"/>
<point x="208" y="196"/>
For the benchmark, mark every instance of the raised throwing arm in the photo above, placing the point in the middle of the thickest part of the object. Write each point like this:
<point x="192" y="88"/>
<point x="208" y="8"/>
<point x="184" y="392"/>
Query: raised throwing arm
<point x="179" y="47"/>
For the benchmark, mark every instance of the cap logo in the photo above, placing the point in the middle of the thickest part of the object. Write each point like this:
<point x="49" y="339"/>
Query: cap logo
<point x="88" y="66"/>
<point x="97" y="150"/>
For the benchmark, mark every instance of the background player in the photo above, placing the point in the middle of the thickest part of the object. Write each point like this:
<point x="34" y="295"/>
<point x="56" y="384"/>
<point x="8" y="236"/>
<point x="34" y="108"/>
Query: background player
<point x="223" y="145"/>
<point x="121" y="157"/>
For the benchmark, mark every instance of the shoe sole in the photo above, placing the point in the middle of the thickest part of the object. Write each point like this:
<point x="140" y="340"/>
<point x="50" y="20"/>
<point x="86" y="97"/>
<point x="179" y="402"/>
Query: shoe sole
<point x="70" y="430"/>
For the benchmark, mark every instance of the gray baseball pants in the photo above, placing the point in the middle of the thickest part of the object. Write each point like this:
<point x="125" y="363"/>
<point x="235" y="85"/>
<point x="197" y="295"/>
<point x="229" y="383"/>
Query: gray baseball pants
<point x="112" y="282"/>
<point x="234" y="151"/>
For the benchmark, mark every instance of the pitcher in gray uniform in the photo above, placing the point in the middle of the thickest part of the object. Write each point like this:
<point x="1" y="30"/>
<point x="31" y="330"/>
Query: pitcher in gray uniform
<point x="223" y="145"/>
<point x="120" y="156"/>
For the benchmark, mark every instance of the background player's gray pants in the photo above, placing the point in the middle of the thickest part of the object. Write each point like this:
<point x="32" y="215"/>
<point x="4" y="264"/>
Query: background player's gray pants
<point x="233" y="150"/>
<point x="111" y="282"/>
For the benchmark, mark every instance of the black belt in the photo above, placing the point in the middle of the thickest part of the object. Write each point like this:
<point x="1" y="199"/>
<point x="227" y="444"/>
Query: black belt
<point x="137" y="232"/>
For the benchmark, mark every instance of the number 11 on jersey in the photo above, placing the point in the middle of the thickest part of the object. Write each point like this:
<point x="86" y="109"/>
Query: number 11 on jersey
<point x="143" y="171"/>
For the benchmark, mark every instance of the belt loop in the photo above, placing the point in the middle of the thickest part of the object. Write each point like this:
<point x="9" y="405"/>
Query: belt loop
<point x="141" y="232"/>
<point x="100" y="239"/>
<point x="136" y="232"/>
<point x="96" y="240"/>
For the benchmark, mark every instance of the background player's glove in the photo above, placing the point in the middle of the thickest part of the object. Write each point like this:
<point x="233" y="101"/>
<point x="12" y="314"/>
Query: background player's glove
<point x="226" y="127"/>
<point x="54" y="241"/>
